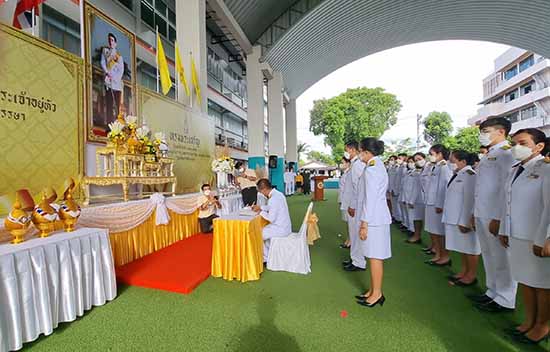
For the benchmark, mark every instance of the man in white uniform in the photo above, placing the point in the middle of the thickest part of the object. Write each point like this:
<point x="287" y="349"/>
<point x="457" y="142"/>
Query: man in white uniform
<point x="112" y="64"/>
<point x="276" y="212"/>
<point x="286" y="180"/>
<point x="488" y="212"/>
<point x="292" y="179"/>
<point x="357" y="261"/>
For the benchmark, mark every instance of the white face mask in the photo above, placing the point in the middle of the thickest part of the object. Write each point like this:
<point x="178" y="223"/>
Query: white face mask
<point x="485" y="139"/>
<point x="207" y="192"/>
<point x="410" y="166"/>
<point x="346" y="155"/>
<point x="481" y="156"/>
<point x="452" y="166"/>
<point x="420" y="163"/>
<point x="392" y="162"/>
<point x="432" y="159"/>
<point x="521" y="152"/>
<point x="399" y="162"/>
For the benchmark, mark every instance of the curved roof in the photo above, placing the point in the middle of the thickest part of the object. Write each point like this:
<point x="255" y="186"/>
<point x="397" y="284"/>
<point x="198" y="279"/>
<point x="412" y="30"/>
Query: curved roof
<point x="338" y="32"/>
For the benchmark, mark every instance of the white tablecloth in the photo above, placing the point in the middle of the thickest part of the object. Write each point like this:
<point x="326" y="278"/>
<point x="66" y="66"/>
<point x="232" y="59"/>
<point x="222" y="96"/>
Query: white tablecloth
<point x="231" y="204"/>
<point x="44" y="282"/>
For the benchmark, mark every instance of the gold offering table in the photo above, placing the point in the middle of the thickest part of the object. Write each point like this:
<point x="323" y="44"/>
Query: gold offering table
<point x="125" y="182"/>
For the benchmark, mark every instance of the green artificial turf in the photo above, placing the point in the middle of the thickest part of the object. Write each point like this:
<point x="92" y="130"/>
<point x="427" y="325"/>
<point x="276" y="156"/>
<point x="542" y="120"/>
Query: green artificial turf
<point x="291" y="312"/>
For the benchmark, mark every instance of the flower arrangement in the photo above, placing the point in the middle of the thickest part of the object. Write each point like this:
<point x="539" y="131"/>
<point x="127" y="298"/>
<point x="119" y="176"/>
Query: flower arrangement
<point x="223" y="164"/>
<point x="161" y="144"/>
<point x="143" y="133"/>
<point x="131" y="122"/>
<point x="149" y="148"/>
<point x="116" y="134"/>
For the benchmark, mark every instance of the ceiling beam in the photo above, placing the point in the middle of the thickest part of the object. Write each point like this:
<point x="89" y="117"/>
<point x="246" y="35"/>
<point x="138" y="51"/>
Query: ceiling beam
<point x="223" y="13"/>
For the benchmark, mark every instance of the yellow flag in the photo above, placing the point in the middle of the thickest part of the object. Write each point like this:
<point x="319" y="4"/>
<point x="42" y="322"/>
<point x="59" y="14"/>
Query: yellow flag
<point x="164" y="73"/>
<point x="195" y="79"/>
<point x="181" y="71"/>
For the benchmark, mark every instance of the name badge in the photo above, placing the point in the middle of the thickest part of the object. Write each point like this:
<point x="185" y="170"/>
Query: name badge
<point x="459" y="181"/>
<point x="533" y="176"/>
<point x="492" y="158"/>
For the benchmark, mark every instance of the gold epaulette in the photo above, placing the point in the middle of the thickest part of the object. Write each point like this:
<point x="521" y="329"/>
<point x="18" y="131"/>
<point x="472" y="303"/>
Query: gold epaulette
<point x="547" y="160"/>
<point x="372" y="162"/>
<point x="470" y="172"/>
<point x="443" y="162"/>
<point x="506" y="147"/>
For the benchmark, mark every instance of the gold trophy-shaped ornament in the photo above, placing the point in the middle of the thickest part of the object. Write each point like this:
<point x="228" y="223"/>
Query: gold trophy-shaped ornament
<point x="44" y="217"/>
<point x="69" y="210"/>
<point x="17" y="222"/>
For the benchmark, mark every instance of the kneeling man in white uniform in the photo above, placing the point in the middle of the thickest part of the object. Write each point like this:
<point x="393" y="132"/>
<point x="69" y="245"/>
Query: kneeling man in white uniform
<point x="276" y="212"/>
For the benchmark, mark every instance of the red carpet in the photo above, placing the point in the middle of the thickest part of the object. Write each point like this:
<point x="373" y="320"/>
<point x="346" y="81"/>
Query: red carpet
<point x="177" y="268"/>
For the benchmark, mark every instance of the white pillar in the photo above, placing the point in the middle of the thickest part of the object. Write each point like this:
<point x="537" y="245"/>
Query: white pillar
<point x="291" y="132"/>
<point x="191" y="37"/>
<point x="255" y="109"/>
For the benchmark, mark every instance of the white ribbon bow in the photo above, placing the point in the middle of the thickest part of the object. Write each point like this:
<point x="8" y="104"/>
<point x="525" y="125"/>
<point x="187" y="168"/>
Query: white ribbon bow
<point x="161" y="214"/>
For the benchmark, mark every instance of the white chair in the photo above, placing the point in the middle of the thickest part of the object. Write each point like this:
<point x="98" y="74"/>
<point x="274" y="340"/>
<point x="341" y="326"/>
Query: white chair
<point x="291" y="253"/>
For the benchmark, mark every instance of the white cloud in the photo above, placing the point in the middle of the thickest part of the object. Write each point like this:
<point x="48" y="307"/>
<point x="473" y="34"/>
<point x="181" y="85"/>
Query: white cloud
<point x="442" y="76"/>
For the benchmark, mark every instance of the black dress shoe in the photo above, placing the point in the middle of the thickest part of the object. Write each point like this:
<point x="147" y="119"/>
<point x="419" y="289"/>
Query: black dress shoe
<point x="346" y="262"/>
<point x="480" y="298"/>
<point x="493" y="307"/>
<point x="343" y="246"/>
<point x="453" y="278"/>
<point x="379" y="301"/>
<point x="352" y="267"/>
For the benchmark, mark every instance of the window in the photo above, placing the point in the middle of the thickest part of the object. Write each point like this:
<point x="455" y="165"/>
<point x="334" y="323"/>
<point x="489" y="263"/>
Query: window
<point x="147" y="14"/>
<point x="528" y="113"/>
<point x="513" y="117"/>
<point x="510" y="73"/>
<point x="60" y="30"/>
<point x="156" y="13"/>
<point x="161" y="25"/>
<point x="127" y="4"/>
<point x="147" y="77"/>
<point x="527" y="88"/>
<point x="525" y="64"/>
<point x="171" y="17"/>
<point x="511" y="96"/>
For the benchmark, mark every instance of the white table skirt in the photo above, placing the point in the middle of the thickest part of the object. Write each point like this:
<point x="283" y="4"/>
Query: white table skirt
<point x="44" y="282"/>
<point x="230" y="205"/>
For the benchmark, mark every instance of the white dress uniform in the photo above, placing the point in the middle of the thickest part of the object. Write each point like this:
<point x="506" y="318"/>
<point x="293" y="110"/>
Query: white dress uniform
<point x="393" y="175"/>
<point x="415" y="197"/>
<point x="525" y="199"/>
<point x="288" y="185"/>
<point x="292" y="179"/>
<point x="374" y="211"/>
<point x="276" y="212"/>
<point x="435" y="197"/>
<point x="405" y="196"/>
<point x="344" y="194"/>
<point x="490" y="183"/>
<point x="357" y="167"/>
<point x="458" y="210"/>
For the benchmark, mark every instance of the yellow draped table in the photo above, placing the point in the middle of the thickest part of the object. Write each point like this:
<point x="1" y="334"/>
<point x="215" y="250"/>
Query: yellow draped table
<point x="237" y="247"/>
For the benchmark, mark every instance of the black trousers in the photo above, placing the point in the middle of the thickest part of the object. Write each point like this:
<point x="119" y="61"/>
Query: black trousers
<point x="250" y="196"/>
<point x="206" y="224"/>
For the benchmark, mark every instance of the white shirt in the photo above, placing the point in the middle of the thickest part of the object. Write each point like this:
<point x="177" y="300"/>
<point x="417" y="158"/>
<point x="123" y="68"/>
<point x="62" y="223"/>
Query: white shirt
<point x="437" y="187"/>
<point x="490" y="182"/>
<point x="392" y="174"/>
<point x="414" y="193"/>
<point x="276" y="212"/>
<point x="341" y="187"/>
<point x="357" y="167"/>
<point x="524" y="201"/>
<point x="374" y="206"/>
<point x="113" y="64"/>
<point x="459" y="200"/>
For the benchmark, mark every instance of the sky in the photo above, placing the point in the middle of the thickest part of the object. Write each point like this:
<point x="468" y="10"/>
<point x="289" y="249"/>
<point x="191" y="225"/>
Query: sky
<point x="434" y="76"/>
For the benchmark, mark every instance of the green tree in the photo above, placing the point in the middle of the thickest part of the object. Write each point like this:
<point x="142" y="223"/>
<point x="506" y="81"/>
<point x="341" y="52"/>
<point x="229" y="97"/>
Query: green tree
<point x="321" y="157"/>
<point x="352" y="115"/>
<point x="437" y="127"/>
<point x="302" y="148"/>
<point x="466" y="139"/>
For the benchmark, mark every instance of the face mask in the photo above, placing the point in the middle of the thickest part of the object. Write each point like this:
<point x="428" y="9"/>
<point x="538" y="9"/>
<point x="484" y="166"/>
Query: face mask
<point x="421" y="163"/>
<point x="452" y="166"/>
<point x="346" y="155"/>
<point x="392" y="162"/>
<point x="410" y="165"/>
<point x="399" y="162"/>
<point x="207" y="192"/>
<point x="485" y="139"/>
<point x="521" y="152"/>
<point x="481" y="156"/>
<point x="432" y="159"/>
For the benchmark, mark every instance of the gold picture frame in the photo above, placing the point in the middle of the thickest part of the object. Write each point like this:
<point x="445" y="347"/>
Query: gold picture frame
<point x="102" y="103"/>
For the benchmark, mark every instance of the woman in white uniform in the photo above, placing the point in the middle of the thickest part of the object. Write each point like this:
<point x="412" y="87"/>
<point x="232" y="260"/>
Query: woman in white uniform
<point x="343" y="196"/>
<point x="375" y="219"/>
<point x="435" y="198"/>
<point x="415" y="198"/>
<point x="526" y="197"/>
<point x="457" y="217"/>
<point x="405" y="194"/>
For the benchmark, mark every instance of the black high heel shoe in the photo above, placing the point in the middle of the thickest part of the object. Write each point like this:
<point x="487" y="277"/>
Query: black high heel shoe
<point x="380" y="301"/>
<point x="513" y="332"/>
<point x="447" y="263"/>
<point x="361" y="297"/>
<point x="527" y="341"/>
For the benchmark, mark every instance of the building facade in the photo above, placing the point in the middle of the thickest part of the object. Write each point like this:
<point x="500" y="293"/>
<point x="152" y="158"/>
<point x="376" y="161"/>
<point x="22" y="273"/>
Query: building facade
<point x="519" y="90"/>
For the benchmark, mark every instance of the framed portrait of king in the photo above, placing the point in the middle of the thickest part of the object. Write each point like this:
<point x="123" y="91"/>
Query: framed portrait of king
<point x="110" y="57"/>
